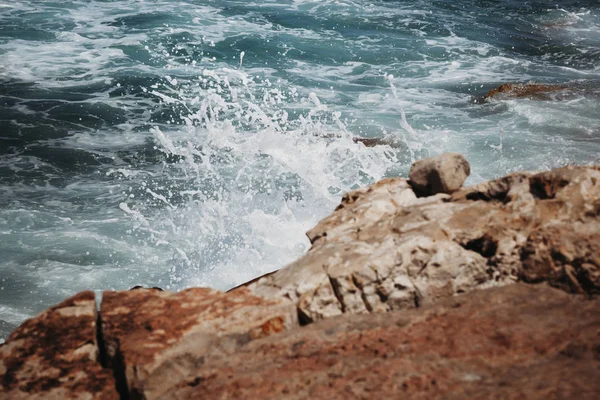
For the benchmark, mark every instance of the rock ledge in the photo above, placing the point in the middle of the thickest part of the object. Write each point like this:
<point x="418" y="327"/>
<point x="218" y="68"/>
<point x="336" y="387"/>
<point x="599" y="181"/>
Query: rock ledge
<point x="487" y="291"/>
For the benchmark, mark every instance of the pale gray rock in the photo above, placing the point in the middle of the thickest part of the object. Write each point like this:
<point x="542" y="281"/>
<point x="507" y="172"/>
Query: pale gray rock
<point x="385" y="249"/>
<point x="445" y="173"/>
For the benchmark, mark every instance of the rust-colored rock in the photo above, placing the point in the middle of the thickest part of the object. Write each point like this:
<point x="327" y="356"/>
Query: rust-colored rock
<point x="144" y="330"/>
<point x="55" y="356"/>
<point x="514" y="342"/>
<point x="384" y="249"/>
<point x="534" y="91"/>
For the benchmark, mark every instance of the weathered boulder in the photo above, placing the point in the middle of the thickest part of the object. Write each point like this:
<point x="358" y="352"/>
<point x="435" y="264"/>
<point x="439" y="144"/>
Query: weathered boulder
<point x="145" y="329"/>
<point x="56" y="356"/>
<point x="444" y="173"/>
<point x="514" y="342"/>
<point x="385" y="249"/>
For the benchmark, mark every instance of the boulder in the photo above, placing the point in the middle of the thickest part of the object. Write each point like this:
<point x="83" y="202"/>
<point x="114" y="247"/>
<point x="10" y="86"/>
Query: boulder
<point x="154" y="338"/>
<point x="385" y="249"/>
<point x="56" y="356"/>
<point x="514" y="342"/>
<point x="441" y="174"/>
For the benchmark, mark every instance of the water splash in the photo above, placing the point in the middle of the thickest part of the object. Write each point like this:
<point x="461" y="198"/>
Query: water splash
<point x="411" y="137"/>
<point x="241" y="180"/>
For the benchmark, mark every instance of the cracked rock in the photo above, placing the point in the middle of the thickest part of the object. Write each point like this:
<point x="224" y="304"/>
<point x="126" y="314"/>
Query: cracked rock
<point x="55" y="356"/>
<point x="386" y="249"/>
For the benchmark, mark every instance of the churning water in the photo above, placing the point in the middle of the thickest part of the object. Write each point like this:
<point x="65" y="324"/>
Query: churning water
<point x="179" y="143"/>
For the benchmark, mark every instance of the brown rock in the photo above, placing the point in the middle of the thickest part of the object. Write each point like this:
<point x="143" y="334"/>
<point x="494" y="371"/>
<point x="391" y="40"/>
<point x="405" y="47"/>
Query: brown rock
<point x="533" y="91"/>
<point x="441" y="174"/>
<point x="514" y="342"/>
<point x="567" y="254"/>
<point x="144" y="330"/>
<point x="55" y="356"/>
<point x="384" y="249"/>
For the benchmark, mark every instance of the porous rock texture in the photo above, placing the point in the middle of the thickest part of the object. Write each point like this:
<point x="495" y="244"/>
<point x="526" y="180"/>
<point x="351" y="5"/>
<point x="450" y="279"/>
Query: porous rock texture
<point x="412" y="266"/>
<point x="540" y="91"/>
<point x="145" y="330"/>
<point x="385" y="249"/>
<point x="445" y="173"/>
<point x="55" y="356"/>
<point x="515" y="342"/>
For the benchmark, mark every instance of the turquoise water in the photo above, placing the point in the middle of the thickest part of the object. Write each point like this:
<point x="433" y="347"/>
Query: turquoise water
<point x="188" y="143"/>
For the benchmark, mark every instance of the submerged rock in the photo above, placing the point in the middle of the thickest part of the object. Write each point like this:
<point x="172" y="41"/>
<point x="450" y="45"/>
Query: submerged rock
<point x="543" y="92"/>
<point x="534" y="91"/>
<point x="380" y="141"/>
<point x="445" y="173"/>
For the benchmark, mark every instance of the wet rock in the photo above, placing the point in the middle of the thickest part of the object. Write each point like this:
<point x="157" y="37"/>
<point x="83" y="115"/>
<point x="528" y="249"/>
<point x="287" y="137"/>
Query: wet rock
<point x="154" y="338"/>
<point x="385" y="249"/>
<point x="56" y="356"/>
<point x="441" y="174"/>
<point x="534" y="91"/>
<point x="380" y="141"/>
<point x="514" y="342"/>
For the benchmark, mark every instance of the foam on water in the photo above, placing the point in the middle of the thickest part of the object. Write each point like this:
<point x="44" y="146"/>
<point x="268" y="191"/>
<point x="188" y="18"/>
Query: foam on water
<point x="262" y="193"/>
<point x="177" y="144"/>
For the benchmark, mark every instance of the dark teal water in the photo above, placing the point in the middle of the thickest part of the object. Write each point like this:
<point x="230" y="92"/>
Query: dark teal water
<point x="192" y="143"/>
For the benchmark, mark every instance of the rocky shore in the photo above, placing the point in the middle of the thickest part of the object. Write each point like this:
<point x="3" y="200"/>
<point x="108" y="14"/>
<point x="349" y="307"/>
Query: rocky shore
<point x="413" y="288"/>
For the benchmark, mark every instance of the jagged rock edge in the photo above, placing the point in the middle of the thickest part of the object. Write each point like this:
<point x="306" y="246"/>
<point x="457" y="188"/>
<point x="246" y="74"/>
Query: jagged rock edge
<point x="118" y="369"/>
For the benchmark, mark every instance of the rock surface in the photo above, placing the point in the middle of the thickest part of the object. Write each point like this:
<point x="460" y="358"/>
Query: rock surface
<point x="145" y="329"/>
<point x="534" y="91"/>
<point x="391" y="141"/>
<point x="56" y="356"/>
<point x="445" y="173"/>
<point x="542" y="92"/>
<point x="515" y="342"/>
<point x="384" y="249"/>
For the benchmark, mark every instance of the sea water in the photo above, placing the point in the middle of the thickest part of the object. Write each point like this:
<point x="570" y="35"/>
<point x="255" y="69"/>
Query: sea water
<point x="185" y="143"/>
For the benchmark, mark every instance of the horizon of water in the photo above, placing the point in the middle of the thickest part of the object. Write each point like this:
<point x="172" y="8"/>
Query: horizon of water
<point x="192" y="143"/>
